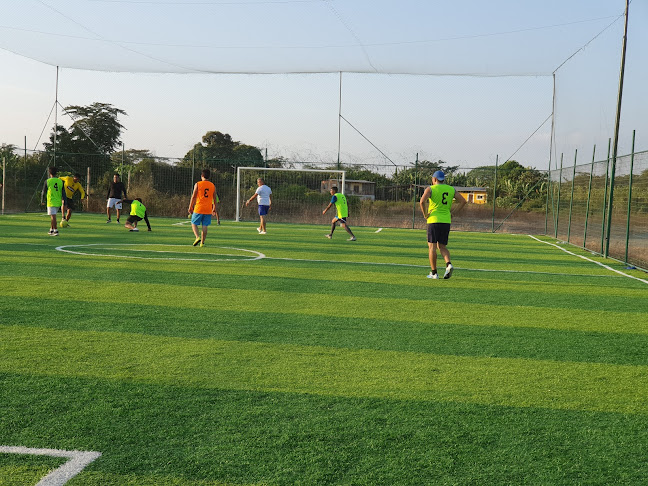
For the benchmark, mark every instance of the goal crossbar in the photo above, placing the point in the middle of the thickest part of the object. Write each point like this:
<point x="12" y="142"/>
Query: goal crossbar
<point x="238" y="180"/>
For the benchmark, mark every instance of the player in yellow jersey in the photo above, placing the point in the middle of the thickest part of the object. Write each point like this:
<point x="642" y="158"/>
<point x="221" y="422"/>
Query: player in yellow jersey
<point x="202" y="206"/>
<point x="438" y="218"/>
<point x="71" y="185"/>
<point x="342" y="209"/>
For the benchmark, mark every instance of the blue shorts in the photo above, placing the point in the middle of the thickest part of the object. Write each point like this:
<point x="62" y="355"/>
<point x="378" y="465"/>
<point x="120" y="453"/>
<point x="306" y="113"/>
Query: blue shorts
<point x="201" y="219"/>
<point x="263" y="209"/>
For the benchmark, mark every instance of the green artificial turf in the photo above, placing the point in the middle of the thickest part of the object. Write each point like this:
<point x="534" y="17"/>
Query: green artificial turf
<point x="324" y="362"/>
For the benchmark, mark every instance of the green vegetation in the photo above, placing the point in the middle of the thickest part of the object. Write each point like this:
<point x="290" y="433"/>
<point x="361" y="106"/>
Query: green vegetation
<point x="327" y="362"/>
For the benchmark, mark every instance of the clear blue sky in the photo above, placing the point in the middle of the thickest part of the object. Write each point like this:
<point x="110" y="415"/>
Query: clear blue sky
<point x="464" y="120"/>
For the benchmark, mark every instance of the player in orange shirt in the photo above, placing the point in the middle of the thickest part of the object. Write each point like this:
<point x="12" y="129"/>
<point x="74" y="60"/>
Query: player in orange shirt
<point x="202" y="206"/>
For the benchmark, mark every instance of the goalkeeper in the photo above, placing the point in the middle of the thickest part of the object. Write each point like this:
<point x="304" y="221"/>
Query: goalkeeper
<point x="342" y="208"/>
<point x="72" y="186"/>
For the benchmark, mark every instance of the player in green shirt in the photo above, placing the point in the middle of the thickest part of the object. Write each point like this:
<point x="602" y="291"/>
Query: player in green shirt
<point x="342" y="208"/>
<point x="438" y="218"/>
<point x="56" y="198"/>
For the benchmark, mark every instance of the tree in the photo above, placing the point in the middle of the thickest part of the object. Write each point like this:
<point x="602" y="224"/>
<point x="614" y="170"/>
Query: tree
<point x="423" y="173"/>
<point x="95" y="130"/>
<point x="219" y="150"/>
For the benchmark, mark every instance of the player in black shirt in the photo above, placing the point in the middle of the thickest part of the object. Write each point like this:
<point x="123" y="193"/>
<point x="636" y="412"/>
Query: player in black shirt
<point x="115" y="197"/>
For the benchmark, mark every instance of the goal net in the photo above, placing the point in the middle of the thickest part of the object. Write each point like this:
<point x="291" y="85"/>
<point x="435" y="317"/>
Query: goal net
<point x="298" y="195"/>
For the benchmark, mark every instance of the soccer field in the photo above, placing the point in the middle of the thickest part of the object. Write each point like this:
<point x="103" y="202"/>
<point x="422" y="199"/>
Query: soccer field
<point x="288" y="358"/>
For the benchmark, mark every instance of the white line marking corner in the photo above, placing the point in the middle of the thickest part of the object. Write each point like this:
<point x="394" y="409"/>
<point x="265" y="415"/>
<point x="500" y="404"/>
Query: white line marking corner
<point x="61" y="475"/>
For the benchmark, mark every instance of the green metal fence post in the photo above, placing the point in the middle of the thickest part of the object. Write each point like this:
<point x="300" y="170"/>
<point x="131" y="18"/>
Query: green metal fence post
<point x="629" y="198"/>
<point x="414" y="192"/>
<point x="494" y="194"/>
<point x="547" y="201"/>
<point x="571" y="200"/>
<point x="607" y="173"/>
<point x="558" y="204"/>
<point x="193" y="167"/>
<point x="589" y="193"/>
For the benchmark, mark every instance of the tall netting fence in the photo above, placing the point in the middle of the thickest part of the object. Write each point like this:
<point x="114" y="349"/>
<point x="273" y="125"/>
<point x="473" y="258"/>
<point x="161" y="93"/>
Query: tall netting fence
<point x="379" y="195"/>
<point x="578" y="211"/>
<point x="570" y="204"/>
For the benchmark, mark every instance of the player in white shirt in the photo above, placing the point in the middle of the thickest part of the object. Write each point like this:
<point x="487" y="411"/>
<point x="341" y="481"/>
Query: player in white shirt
<point x="263" y="196"/>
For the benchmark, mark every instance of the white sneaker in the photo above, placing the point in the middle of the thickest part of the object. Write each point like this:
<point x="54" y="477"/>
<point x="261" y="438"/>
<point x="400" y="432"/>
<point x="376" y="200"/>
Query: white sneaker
<point x="259" y="230"/>
<point x="353" y="238"/>
<point x="262" y="232"/>
<point x="328" y="236"/>
<point x="134" y="229"/>
<point x="433" y="276"/>
<point x="448" y="272"/>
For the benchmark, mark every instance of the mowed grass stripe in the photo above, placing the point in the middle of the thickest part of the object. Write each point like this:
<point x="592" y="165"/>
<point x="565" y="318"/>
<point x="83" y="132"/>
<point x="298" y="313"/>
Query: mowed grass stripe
<point x="325" y="371"/>
<point x="380" y="307"/>
<point x="339" y="332"/>
<point x="367" y="283"/>
<point x="286" y="240"/>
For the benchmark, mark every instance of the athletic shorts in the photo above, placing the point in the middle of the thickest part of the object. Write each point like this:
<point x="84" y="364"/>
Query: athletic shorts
<point x="52" y="210"/>
<point x="71" y="204"/>
<point x="112" y="203"/>
<point x="134" y="219"/>
<point x="340" y="220"/>
<point x="201" y="219"/>
<point x="263" y="209"/>
<point x="438" y="233"/>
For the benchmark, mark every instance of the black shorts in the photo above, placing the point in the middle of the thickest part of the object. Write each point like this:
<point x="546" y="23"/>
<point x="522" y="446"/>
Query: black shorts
<point x="71" y="204"/>
<point x="133" y="219"/>
<point x="438" y="233"/>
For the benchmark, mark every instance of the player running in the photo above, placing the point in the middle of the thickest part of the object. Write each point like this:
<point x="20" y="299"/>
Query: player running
<point x="72" y="186"/>
<point x="203" y="204"/>
<point x="342" y="208"/>
<point x="438" y="218"/>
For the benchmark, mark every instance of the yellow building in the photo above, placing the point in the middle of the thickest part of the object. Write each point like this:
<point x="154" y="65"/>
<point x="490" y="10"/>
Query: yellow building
<point x="475" y="195"/>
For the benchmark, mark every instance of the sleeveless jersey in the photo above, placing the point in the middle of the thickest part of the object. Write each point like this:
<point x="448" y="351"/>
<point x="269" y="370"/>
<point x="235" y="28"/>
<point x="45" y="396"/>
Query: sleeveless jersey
<point x="205" y="197"/>
<point x="138" y="209"/>
<point x="54" y="192"/>
<point x="441" y="196"/>
<point x="341" y="205"/>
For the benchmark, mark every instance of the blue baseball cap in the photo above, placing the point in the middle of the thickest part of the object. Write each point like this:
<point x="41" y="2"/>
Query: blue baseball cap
<point x="439" y="175"/>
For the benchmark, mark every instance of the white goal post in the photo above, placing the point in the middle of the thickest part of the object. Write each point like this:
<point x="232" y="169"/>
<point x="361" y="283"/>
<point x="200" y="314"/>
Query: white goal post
<point x="261" y="170"/>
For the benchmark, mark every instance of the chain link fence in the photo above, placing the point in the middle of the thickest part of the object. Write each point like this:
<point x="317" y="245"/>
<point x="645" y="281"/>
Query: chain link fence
<point x="570" y="203"/>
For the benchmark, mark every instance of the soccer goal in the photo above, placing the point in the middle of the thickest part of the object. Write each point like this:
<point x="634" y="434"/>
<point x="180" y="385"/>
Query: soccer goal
<point x="298" y="195"/>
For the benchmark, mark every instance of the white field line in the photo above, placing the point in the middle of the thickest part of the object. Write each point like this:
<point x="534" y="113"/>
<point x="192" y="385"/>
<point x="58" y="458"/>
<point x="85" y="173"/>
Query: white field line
<point x="181" y="223"/>
<point x="174" y="252"/>
<point x="494" y="270"/>
<point x="261" y="256"/>
<point x="62" y="248"/>
<point x="590" y="260"/>
<point x="78" y="461"/>
<point x="378" y="230"/>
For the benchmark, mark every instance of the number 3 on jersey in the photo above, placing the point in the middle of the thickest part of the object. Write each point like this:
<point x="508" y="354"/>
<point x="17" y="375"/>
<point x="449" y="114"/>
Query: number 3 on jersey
<point x="444" y="198"/>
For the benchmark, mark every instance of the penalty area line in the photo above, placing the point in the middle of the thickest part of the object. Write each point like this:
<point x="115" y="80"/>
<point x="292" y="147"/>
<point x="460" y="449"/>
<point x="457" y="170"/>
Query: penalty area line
<point x="78" y="460"/>
<point x="607" y="267"/>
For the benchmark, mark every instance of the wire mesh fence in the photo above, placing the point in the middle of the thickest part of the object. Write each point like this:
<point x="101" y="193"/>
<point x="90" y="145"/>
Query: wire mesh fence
<point x="570" y="203"/>
<point x="578" y="210"/>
